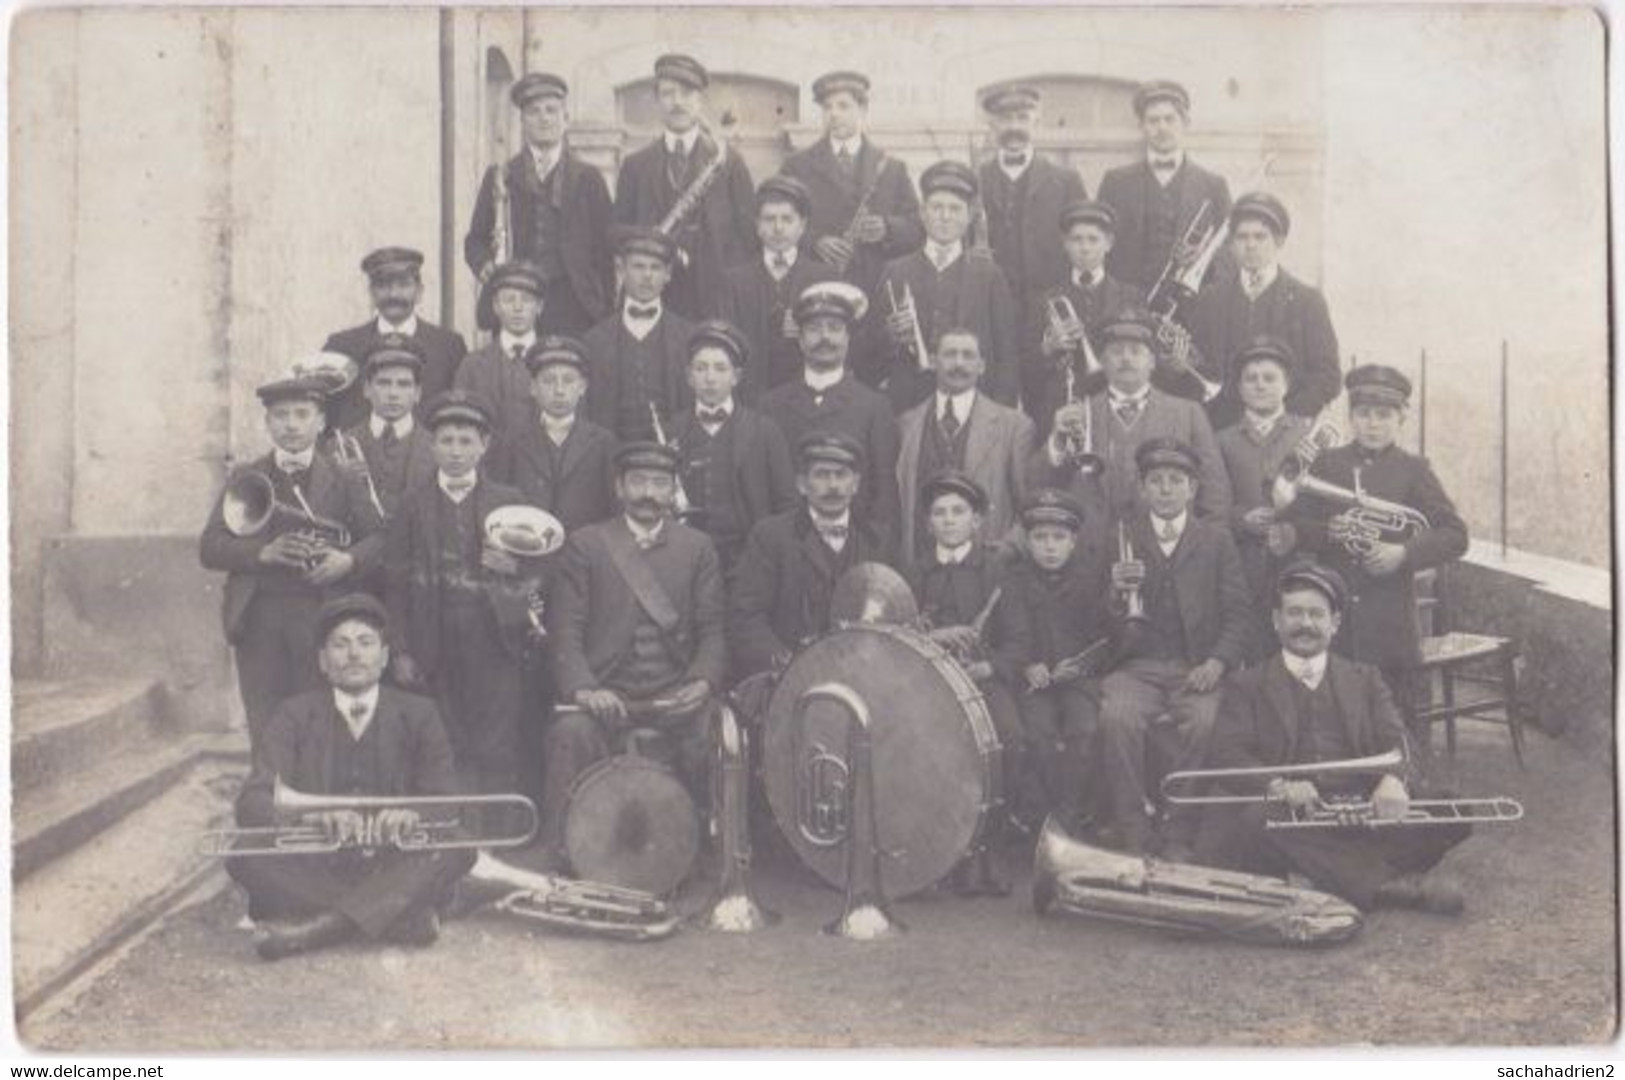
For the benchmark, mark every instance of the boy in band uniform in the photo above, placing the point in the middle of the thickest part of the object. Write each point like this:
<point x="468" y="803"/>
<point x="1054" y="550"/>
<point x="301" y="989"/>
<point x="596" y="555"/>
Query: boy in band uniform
<point x="510" y="304"/>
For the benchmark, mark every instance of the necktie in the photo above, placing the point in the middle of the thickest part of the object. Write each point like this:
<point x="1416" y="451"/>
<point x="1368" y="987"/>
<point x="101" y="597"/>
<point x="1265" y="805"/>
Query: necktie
<point x="358" y="713"/>
<point x="518" y="352"/>
<point x="1168" y="533"/>
<point x="633" y="311"/>
<point x="677" y="164"/>
<point x="388" y="437"/>
<point x="1254" y="283"/>
<point x="713" y="416"/>
<point x="781" y="265"/>
<point x="939" y="257"/>
<point x="847" y="163"/>
<point x="1128" y="410"/>
<point x="950" y="421"/>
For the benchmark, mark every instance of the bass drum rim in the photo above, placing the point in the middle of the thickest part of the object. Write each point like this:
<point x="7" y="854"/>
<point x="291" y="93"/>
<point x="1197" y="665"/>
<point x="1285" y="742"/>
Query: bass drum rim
<point x="966" y="818"/>
<point x="589" y="862"/>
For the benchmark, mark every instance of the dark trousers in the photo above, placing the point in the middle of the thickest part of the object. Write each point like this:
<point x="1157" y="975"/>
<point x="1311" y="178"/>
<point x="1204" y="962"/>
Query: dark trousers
<point x="372" y="892"/>
<point x="1063" y="737"/>
<point x="1147" y="707"/>
<point x="1352" y="863"/>
<point x="479" y="685"/>
<point x="276" y="654"/>
<point x="1007" y="724"/>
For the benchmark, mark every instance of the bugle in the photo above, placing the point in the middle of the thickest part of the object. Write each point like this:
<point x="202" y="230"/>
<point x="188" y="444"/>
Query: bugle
<point x="916" y="344"/>
<point x="734" y="910"/>
<point x="587" y="906"/>
<point x="443" y="823"/>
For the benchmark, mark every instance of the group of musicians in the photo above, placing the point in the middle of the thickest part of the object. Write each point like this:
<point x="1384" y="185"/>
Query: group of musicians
<point x="730" y="394"/>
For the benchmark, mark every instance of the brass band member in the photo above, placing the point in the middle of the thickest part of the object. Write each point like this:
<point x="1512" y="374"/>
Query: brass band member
<point x="716" y="234"/>
<point x="638" y="354"/>
<point x="1306" y="705"/>
<point x="1088" y="231"/>
<point x="510" y="306"/>
<point x="828" y="397"/>
<point x="277" y="576"/>
<point x="350" y="737"/>
<point x="735" y="463"/>
<point x="1379" y="626"/>
<point x="395" y="283"/>
<point x="1023" y="195"/>
<point x="949" y="284"/>
<point x="558" y="211"/>
<point x="1157" y="197"/>
<point x="395" y="450"/>
<point x="1260" y="298"/>
<point x="758" y="297"/>
<point x="637" y="613"/>
<point x="460" y="604"/>
<point x="782" y="586"/>
<point x="1183" y="573"/>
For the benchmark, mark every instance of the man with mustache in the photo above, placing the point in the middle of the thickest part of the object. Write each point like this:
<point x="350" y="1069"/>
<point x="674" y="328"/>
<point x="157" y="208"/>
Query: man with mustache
<point x="395" y="282"/>
<point x="719" y="232"/>
<point x="1305" y="705"/>
<point x="637" y="613"/>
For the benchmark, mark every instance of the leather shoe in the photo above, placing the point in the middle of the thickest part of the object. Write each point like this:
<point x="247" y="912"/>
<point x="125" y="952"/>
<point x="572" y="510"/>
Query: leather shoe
<point x="1421" y="893"/>
<point x="418" y="928"/>
<point x="277" y="940"/>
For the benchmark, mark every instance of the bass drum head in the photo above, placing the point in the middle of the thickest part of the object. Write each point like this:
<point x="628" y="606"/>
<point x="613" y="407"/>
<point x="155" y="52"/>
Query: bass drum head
<point x="631" y="823"/>
<point x="933" y="748"/>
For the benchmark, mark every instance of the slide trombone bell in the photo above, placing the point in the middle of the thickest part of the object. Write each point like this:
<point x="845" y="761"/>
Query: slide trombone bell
<point x="605" y="910"/>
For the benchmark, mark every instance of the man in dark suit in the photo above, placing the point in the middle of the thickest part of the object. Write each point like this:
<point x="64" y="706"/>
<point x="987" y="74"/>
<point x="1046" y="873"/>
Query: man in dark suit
<point x="278" y="573"/>
<point x="395" y="452"/>
<point x="638" y="356"/>
<point x="394" y="278"/>
<point x="1261" y="298"/>
<point x="557" y="212"/>
<point x="1183" y="573"/>
<point x="717" y="233"/>
<point x="1023" y="195"/>
<point x="950" y="285"/>
<point x="1157" y="197"/>
<point x="1087" y="230"/>
<point x="758" y="297"/>
<point x="828" y="398"/>
<point x="735" y="464"/>
<point x="638" y="613"/>
<point x="1307" y="705"/>
<point x="784" y="581"/>
<point x="510" y="304"/>
<point x="560" y="461"/>
<point x="864" y="207"/>
<point x="462" y="605"/>
<point x="351" y="737"/>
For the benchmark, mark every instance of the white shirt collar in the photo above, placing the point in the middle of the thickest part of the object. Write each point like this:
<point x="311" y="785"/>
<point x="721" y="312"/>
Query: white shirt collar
<point x="461" y="491"/>
<point x="687" y="139"/>
<point x="1091" y="281"/>
<point x="403" y="427"/>
<point x="558" y="429"/>
<point x="943" y="256"/>
<point x="962" y="403"/>
<point x="853" y="146"/>
<point x="820" y="381"/>
<point x="508" y="341"/>
<point x="947" y="556"/>
<point x="641" y="328"/>
<point x="789" y="259"/>
<point x="544" y="160"/>
<point x="345" y="701"/>
<point x="1266" y="277"/>
<point x="1263" y="425"/>
<point x="1160" y="525"/>
<point x="407" y="328"/>
<point x="643" y="534"/>
<point x="727" y="407"/>
<point x="293" y="462"/>
<point x="1307" y="670"/>
<point x="1118" y="397"/>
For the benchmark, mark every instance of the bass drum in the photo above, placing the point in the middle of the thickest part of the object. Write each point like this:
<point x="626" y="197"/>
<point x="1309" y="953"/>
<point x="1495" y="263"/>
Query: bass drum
<point x="934" y="753"/>
<point x="630" y="822"/>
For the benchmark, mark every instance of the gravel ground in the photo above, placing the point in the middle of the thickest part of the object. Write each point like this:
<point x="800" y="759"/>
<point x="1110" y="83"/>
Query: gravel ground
<point x="1532" y="962"/>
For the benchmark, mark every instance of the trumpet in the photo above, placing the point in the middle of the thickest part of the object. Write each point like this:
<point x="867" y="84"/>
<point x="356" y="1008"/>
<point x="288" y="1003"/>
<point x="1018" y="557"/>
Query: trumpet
<point x="1076" y="445"/>
<point x="916" y="345"/>
<point x="1188" y="262"/>
<point x="1134" y="603"/>
<point x="1175" y="356"/>
<point x="606" y="910"/>
<point x="1365" y="520"/>
<point x="680" y="504"/>
<point x="443" y="824"/>
<point x="348" y="453"/>
<point x="250" y="509"/>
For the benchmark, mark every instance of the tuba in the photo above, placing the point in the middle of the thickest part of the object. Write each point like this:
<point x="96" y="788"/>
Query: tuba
<point x="734" y="910"/>
<point x="1090" y="881"/>
<point x="605" y="910"/>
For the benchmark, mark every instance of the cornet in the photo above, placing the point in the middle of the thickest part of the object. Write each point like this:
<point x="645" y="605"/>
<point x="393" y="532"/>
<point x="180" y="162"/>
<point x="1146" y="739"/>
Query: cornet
<point x="916" y="345"/>
<point x="1076" y="445"/>
<point x="1176" y="342"/>
<point x="348" y="453"/>
<point x="1133" y="601"/>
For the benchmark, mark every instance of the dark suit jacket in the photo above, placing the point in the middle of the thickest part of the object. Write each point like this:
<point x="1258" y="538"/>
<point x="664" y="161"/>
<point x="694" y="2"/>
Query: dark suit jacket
<point x="1034" y="260"/>
<point x="332" y="495"/>
<point x="1379" y="624"/>
<point x="416" y="468"/>
<point x="973" y="294"/>
<point x="853" y="409"/>
<point x="1125" y="190"/>
<point x="717" y="234"/>
<point x="1209" y="588"/>
<point x="443" y="351"/>
<point x="783" y="584"/>
<point x="594" y="612"/>
<point x="574" y="482"/>
<point x="404" y="750"/>
<point x="954" y="596"/>
<point x="759" y="479"/>
<point x="582" y="199"/>
<point x="755" y="303"/>
<point x="610" y="376"/>
<point x="1047" y="616"/>
<point x="835" y="202"/>
<point x="503" y="383"/>
<point x="998" y="444"/>
<point x="412" y="581"/>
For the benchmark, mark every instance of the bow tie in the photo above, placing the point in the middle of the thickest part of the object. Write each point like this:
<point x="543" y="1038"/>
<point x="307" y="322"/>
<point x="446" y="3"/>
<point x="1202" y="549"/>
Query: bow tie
<point x="713" y="416"/>
<point x="460" y="486"/>
<point x="633" y="311"/>
<point x="1167" y="533"/>
<point x="1014" y="159"/>
<point x="1164" y="164"/>
<point x="293" y="464"/>
<point x="833" y="533"/>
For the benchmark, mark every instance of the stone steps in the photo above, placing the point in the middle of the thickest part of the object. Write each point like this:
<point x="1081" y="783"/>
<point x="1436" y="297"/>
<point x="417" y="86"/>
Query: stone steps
<point x="59" y="726"/>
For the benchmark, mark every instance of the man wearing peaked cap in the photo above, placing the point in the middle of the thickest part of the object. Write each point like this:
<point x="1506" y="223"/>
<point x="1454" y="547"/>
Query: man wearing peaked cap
<point x="394" y="446"/>
<point x="637" y="617"/>
<point x="864" y="206"/>
<point x="395" y="284"/>
<point x="1053" y="343"/>
<point x="716" y="233"/>
<point x="735" y="463"/>
<point x="549" y="208"/>
<point x="758" y="296"/>
<point x="949" y="285"/>
<point x="1023" y="193"/>
<point x="638" y="354"/>
<point x="1158" y="196"/>
<point x="1259" y="297"/>
<point x="510" y="304"/>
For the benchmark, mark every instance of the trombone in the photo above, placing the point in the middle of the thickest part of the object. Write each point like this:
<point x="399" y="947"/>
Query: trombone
<point x="916" y="345"/>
